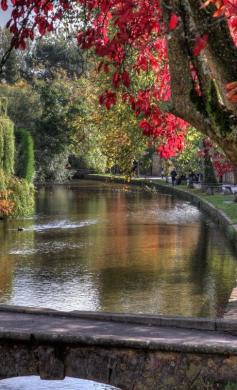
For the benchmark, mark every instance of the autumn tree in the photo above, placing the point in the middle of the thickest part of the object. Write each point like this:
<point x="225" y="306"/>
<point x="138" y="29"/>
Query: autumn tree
<point x="104" y="138"/>
<point x="189" y="45"/>
<point x="190" y="158"/>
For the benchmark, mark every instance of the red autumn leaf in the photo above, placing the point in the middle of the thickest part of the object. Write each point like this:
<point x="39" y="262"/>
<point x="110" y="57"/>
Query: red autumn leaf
<point x="4" y="5"/>
<point x="231" y="85"/>
<point x="231" y="89"/>
<point x="174" y="19"/>
<point x="219" y="12"/>
<point x="116" y="79"/>
<point x="107" y="99"/>
<point x="200" y="44"/>
<point x="126" y="78"/>
<point x="106" y="68"/>
<point x="146" y="127"/>
<point x="22" y="45"/>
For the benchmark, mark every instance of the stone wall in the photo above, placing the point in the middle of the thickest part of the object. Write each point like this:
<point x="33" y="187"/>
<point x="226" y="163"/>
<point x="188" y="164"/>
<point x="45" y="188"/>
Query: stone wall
<point x="148" y="353"/>
<point x="123" y="368"/>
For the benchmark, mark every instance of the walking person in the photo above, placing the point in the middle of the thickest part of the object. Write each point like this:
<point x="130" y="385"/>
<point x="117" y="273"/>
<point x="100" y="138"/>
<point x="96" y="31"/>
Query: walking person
<point x="173" y="174"/>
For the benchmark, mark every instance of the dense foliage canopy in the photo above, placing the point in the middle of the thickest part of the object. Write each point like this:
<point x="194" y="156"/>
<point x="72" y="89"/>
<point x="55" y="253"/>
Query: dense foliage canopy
<point x="188" y="46"/>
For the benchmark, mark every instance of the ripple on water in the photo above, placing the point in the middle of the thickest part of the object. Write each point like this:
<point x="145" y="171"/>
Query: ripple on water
<point x="181" y="214"/>
<point x="46" y="247"/>
<point x="64" y="224"/>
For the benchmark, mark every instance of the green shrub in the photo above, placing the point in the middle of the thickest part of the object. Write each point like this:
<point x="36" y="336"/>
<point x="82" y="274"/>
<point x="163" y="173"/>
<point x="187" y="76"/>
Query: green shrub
<point x="53" y="168"/>
<point x="25" y="159"/>
<point x="22" y="196"/>
<point x="1" y="144"/>
<point x="2" y="180"/>
<point x="7" y="145"/>
<point x="3" y="106"/>
<point x="16" y="195"/>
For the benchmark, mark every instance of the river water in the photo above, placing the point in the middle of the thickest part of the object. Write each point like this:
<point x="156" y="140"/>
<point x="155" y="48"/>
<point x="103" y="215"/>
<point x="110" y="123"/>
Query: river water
<point x="94" y="246"/>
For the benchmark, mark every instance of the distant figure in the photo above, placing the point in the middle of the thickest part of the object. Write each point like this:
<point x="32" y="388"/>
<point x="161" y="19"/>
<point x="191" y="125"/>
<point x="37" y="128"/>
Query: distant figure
<point x="179" y="179"/>
<point x="200" y="177"/>
<point x="162" y="173"/>
<point x="191" y="178"/>
<point x="134" y="167"/>
<point x="173" y="174"/>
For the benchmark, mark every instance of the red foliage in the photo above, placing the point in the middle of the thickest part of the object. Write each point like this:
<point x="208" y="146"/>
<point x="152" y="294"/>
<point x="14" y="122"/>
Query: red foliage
<point x="219" y="160"/>
<point x="6" y="204"/>
<point x="174" y="19"/>
<point x="4" y="5"/>
<point x="136" y="24"/>
<point x="200" y="44"/>
<point x="108" y="99"/>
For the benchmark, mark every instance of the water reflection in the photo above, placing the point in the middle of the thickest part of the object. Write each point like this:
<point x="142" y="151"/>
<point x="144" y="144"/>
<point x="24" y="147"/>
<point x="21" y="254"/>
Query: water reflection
<point x="32" y="383"/>
<point x="95" y="248"/>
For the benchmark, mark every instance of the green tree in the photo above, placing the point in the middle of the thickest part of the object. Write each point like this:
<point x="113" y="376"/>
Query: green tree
<point x="112" y="136"/>
<point x="25" y="155"/>
<point x="16" y="195"/>
<point x="12" y="67"/>
<point x="7" y="140"/>
<point x="53" y="54"/>
<point x="52" y="132"/>
<point x="24" y="105"/>
<point x="189" y="159"/>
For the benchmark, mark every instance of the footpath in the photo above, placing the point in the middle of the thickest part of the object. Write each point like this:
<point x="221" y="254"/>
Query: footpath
<point x="151" y="332"/>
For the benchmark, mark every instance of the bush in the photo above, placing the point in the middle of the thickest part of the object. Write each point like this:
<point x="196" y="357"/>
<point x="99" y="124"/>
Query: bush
<point x="53" y="168"/>
<point x="25" y="155"/>
<point x="22" y="194"/>
<point x="7" y="145"/>
<point x="2" y="180"/>
<point x="16" y="195"/>
<point x="3" y="106"/>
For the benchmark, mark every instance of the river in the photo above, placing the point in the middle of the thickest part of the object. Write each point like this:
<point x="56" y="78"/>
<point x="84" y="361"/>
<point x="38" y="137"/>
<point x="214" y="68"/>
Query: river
<point x="95" y="246"/>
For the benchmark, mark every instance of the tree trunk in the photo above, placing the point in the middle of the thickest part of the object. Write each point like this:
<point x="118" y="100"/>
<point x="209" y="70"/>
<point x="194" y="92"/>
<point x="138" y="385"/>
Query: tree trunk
<point x="211" y="113"/>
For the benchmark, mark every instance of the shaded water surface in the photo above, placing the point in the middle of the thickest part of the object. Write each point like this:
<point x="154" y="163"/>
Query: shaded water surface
<point x="96" y="247"/>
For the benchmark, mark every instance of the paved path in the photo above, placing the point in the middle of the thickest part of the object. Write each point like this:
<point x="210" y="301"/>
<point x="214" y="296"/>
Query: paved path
<point x="98" y="329"/>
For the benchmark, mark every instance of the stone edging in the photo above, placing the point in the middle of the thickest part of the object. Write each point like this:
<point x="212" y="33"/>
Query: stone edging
<point x="185" y="344"/>
<point x="197" y="323"/>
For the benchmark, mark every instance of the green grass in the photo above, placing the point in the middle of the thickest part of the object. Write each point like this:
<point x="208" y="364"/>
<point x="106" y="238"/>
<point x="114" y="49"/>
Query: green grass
<point x="225" y="203"/>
